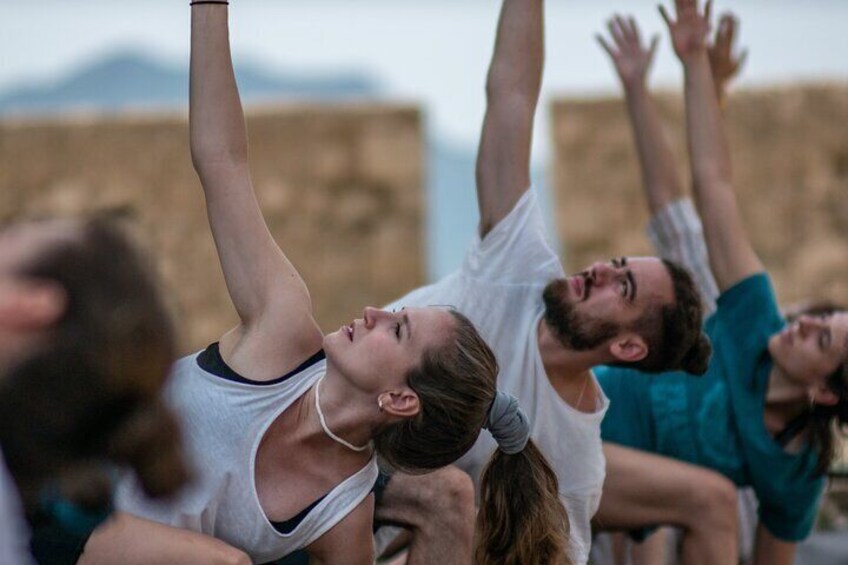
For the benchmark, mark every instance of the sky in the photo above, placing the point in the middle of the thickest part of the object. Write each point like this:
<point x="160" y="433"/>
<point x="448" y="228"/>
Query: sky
<point x="432" y="52"/>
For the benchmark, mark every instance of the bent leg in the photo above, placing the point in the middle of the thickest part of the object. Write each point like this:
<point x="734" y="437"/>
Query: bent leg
<point x="438" y="509"/>
<point x="642" y="490"/>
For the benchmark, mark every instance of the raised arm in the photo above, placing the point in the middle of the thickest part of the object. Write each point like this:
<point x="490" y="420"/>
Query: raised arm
<point x="632" y="61"/>
<point x="267" y="292"/>
<point x="732" y="257"/>
<point x="512" y="93"/>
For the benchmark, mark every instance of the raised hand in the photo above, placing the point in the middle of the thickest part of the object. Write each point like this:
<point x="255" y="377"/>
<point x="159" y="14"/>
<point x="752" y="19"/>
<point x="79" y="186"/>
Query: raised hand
<point x="690" y="30"/>
<point x="724" y="62"/>
<point x="631" y="58"/>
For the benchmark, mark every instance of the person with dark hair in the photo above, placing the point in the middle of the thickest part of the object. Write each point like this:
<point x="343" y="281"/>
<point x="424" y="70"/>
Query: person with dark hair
<point x="284" y="424"/>
<point x="547" y="330"/>
<point x="85" y="346"/>
<point x="765" y="413"/>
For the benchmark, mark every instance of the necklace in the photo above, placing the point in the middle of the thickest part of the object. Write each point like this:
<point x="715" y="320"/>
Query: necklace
<point x="331" y="435"/>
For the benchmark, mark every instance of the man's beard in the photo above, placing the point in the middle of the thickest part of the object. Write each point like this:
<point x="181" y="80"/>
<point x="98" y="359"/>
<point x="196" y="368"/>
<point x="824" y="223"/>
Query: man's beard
<point x="576" y="331"/>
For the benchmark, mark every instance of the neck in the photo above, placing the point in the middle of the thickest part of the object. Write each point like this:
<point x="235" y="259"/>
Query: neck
<point x="785" y="400"/>
<point x="570" y="371"/>
<point x="345" y="410"/>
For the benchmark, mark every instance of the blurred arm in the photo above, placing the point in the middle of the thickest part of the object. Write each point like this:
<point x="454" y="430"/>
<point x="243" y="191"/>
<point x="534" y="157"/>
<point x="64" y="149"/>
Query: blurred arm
<point x="131" y="540"/>
<point x="632" y="62"/>
<point x="512" y="93"/>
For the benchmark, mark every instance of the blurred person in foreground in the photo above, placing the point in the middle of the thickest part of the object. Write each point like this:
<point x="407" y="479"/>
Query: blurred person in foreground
<point x="85" y="346"/>
<point x="765" y="413"/>
<point x="547" y="330"/>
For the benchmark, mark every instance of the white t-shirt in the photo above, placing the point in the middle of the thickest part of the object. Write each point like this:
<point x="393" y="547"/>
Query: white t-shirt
<point x="499" y="288"/>
<point x="14" y="535"/>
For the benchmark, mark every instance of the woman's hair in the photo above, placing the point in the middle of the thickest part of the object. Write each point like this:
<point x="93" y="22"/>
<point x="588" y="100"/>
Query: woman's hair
<point x="456" y="387"/>
<point x="521" y="519"/>
<point x="455" y="384"/>
<point x="90" y="391"/>
<point x="824" y="422"/>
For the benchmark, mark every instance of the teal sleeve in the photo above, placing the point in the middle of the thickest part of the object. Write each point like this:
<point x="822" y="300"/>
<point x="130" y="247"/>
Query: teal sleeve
<point x="792" y="518"/>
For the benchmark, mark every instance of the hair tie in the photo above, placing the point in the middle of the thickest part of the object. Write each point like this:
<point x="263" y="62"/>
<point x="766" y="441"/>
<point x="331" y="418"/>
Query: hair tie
<point x="508" y="424"/>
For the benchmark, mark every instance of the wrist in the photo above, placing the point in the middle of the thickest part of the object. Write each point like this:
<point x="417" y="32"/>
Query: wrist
<point x="696" y="58"/>
<point x="634" y="86"/>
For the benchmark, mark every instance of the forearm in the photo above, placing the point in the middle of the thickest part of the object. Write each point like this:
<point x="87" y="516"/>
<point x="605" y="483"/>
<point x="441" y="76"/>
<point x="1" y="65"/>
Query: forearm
<point x="515" y="72"/>
<point x="708" y="149"/>
<point x="216" y="121"/>
<point x="659" y="174"/>
<point x="512" y="92"/>
<point x="731" y="256"/>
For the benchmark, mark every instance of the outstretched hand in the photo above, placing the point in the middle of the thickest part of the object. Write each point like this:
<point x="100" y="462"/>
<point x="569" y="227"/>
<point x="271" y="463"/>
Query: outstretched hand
<point x="631" y="58"/>
<point x="725" y="64"/>
<point x="690" y="30"/>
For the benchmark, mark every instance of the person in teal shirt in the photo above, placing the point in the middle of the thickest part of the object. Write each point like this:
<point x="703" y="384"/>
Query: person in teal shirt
<point x="763" y="414"/>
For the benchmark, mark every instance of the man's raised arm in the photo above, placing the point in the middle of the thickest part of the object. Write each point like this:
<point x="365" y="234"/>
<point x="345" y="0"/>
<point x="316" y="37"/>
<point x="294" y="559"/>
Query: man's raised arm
<point x="512" y="93"/>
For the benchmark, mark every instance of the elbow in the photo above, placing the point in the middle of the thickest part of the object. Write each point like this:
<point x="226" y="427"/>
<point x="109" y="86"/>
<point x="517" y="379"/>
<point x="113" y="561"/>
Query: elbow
<point x="205" y="158"/>
<point x="712" y="178"/>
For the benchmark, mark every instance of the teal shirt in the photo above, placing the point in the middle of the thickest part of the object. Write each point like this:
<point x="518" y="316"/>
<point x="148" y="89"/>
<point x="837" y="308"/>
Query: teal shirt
<point x="717" y="420"/>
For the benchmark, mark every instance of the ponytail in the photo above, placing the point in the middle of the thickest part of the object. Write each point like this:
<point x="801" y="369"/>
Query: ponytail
<point x="521" y="519"/>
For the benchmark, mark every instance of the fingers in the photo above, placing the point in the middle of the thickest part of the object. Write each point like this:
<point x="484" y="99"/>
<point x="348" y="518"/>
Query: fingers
<point x="740" y="62"/>
<point x="655" y="41"/>
<point x="730" y="24"/>
<point x="665" y="16"/>
<point x="708" y="11"/>
<point x="633" y="30"/>
<point x="615" y="29"/>
<point x="606" y="47"/>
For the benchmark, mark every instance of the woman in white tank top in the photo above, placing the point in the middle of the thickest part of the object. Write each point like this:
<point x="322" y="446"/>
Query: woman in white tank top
<point x="288" y="462"/>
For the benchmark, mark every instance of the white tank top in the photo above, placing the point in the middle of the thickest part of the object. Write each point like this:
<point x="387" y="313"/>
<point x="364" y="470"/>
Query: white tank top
<point x="223" y="422"/>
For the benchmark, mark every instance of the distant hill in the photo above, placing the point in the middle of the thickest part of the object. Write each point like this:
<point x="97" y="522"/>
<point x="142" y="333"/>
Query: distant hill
<point x="134" y="80"/>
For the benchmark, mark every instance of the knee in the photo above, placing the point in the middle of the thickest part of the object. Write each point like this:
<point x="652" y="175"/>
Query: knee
<point x="449" y="496"/>
<point x="714" y="502"/>
<point x="459" y="492"/>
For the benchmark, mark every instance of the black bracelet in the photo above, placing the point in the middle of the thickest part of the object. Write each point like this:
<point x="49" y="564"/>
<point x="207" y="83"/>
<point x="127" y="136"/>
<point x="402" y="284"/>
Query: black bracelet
<point x="197" y="2"/>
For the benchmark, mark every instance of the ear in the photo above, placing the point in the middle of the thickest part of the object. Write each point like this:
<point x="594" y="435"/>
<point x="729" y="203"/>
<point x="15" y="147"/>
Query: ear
<point x="628" y="348"/>
<point x="400" y="403"/>
<point x="823" y="396"/>
<point x="30" y="305"/>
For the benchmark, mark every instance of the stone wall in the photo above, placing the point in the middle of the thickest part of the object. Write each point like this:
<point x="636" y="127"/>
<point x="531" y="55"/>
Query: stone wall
<point x="790" y="158"/>
<point x="341" y="189"/>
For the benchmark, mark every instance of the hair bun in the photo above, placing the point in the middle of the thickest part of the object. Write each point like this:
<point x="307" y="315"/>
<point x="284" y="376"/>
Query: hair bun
<point x="697" y="359"/>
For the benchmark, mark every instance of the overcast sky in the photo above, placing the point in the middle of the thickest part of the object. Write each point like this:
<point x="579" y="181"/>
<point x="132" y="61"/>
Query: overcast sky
<point x="430" y="51"/>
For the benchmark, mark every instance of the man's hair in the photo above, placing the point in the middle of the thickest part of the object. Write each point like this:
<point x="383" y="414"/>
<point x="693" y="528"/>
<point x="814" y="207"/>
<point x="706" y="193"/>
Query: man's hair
<point x="674" y="331"/>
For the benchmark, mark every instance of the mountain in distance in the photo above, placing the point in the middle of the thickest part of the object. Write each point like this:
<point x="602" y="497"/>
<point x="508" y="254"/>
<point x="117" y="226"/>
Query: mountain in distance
<point x="131" y="79"/>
